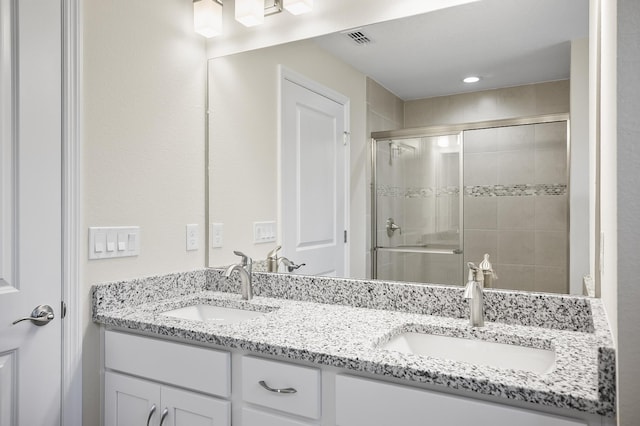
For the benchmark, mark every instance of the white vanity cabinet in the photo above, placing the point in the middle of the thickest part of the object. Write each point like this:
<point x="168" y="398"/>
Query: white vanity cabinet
<point x="370" y="402"/>
<point x="175" y="384"/>
<point x="132" y="401"/>
<point x="146" y="376"/>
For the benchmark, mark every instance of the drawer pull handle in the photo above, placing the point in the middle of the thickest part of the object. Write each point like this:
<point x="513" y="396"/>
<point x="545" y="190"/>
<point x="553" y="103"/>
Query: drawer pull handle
<point x="151" y="411"/>
<point x="165" y="412"/>
<point x="270" y="389"/>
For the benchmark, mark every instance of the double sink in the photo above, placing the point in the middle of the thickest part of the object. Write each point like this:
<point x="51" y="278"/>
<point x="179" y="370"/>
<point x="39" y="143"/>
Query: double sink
<point x="460" y="349"/>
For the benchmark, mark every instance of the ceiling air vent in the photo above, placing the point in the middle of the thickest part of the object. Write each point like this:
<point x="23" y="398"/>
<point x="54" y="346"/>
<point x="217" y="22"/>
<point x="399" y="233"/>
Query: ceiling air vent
<point x="358" y="37"/>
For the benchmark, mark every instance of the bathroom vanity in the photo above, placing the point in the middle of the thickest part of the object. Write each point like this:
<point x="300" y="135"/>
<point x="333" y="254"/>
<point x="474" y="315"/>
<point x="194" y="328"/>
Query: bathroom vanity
<point x="185" y="349"/>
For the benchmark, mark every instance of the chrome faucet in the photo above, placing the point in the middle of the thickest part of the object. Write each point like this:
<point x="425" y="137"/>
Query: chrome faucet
<point x="473" y="291"/>
<point x="244" y="269"/>
<point x="272" y="260"/>
<point x="289" y="264"/>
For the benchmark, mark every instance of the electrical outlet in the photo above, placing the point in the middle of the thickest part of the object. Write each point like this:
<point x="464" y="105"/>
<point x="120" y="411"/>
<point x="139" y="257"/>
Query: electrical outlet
<point x="192" y="237"/>
<point x="217" y="235"/>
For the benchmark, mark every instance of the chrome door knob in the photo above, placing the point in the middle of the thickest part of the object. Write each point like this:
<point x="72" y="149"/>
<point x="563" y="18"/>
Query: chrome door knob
<point x="40" y="316"/>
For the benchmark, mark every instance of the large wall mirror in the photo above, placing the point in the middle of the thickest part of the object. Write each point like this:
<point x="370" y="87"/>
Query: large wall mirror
<point x="500" y="166"/>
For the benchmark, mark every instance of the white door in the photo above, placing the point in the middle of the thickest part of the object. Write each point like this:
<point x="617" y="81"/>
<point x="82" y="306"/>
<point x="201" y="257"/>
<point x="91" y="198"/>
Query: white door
<point x="313" y="179"/>
<point x="30" y="210"/>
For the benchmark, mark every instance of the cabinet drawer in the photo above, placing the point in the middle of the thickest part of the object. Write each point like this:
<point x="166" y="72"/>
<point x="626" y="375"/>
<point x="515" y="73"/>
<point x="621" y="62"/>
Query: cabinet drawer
<point x="278" y="375"/>
<point x="251" y="417"/>
<point x="369" y="402"/>
<point x="192" y="367"/>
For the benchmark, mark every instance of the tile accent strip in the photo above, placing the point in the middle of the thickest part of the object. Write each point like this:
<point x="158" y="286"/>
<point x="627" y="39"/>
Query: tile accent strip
<point x="415" y="192"/>
<point x="518" y="190"/>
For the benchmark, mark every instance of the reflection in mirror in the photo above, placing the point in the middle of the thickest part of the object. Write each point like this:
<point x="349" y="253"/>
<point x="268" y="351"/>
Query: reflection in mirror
<point x="409" y="75"/>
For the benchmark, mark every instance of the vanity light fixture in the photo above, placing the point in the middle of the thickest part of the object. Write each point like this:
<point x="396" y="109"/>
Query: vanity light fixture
<point x="207" y="14"/>
<point x="249" y="12"/>
<point x="471" y="79"/>
<point x="207" y="17"/>
<point x="298" y="7"/>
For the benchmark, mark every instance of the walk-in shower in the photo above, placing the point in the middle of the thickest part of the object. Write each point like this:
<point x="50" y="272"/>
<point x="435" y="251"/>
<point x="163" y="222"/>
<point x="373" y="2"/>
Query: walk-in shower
<point x="444" y="196"/>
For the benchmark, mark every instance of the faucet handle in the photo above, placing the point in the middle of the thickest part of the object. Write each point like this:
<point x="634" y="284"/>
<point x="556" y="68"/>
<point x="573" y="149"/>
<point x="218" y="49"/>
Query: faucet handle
<point x="475" y="273"/>
<point x="273" y="253"/>
<point x="246" y="260"/>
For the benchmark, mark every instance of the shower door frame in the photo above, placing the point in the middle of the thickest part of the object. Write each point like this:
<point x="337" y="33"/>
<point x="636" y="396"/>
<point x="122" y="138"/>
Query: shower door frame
<point x="450" y="130"/>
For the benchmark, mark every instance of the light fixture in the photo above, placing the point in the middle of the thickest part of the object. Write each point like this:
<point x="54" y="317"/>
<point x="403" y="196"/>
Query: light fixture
<point x="207" y="18"/>
<point x="250" y="12"/>
<point x="471" y="79"/>
<point x="298" y="7"/>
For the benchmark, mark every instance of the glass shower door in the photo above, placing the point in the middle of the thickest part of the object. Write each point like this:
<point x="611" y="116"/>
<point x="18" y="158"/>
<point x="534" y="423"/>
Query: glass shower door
<point x="417" y="209"/>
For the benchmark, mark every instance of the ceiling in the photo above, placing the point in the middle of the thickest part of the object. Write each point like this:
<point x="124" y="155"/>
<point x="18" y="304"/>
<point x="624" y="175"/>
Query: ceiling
<point x="505" y="42"/>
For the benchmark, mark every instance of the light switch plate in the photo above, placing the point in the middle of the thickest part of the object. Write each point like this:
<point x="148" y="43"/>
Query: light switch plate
<point x="264" y="232"/>
<point x="108" y="242"/>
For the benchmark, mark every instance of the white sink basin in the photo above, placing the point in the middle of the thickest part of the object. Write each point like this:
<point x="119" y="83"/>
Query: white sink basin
<point x="213" y="314"/>
<point x="479" y="352"/>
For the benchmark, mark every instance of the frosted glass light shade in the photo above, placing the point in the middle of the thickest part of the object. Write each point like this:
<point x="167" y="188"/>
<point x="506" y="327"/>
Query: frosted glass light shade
<point x="250" y="12"/>
<point x="298" y="7"/>
<point x="207" y="18"/>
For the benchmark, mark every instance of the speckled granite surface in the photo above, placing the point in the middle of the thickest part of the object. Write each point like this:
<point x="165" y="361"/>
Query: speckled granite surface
<point x="342" y="323"/>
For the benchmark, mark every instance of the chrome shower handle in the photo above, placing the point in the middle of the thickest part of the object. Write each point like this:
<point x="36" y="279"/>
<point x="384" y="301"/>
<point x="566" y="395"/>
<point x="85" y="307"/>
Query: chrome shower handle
<point x="392" y="227"/>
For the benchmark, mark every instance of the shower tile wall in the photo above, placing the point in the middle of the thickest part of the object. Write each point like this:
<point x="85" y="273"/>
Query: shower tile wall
<point x="512" y="102"/>
<point x="387" y="112"/>
<point x="515" y="204"/>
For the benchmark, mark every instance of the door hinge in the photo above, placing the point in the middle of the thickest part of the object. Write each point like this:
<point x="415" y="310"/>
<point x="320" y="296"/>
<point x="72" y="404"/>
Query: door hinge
<point x="346" y="137"/>
<point x="63" y="309"/>
<point x="345" y="235"/>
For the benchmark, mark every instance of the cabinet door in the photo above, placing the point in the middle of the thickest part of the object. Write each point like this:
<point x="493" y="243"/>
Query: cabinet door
<point x="186" y="408"/>
<point x="130" y="401"/>
<point x="372" y="403"/>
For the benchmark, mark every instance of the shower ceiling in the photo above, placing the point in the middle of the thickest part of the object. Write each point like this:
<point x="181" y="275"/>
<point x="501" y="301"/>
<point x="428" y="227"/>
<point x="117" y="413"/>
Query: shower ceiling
<point x="505" y="42"/>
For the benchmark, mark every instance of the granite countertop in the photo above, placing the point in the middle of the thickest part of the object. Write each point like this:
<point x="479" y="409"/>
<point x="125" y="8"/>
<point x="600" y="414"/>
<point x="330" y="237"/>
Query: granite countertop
<point x="347" y="333"/>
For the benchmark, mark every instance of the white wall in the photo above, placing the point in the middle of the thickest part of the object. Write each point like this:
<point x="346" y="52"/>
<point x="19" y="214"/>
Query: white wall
<point x="143" y="144"/>
<point x="628" y="161"/>
<point x="243" y="143"/>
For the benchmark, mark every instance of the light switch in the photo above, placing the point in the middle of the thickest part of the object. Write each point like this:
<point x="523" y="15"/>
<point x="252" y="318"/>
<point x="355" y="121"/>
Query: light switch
<point x="131" y="242"/>
<point x="98" y="244"/>
<point x="122" y="241"/>
<point x="108" y="242"/>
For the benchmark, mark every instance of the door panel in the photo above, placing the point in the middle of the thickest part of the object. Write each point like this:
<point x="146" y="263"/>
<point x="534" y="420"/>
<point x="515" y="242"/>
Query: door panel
<point x="30" y="210"/>
<point x="130" y="401"/>
<point x="192" y="409"/>
<point x="313" y="181"/>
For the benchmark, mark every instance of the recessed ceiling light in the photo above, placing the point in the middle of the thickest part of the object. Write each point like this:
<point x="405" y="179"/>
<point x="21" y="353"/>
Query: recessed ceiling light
<point x="472" y="79"/>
